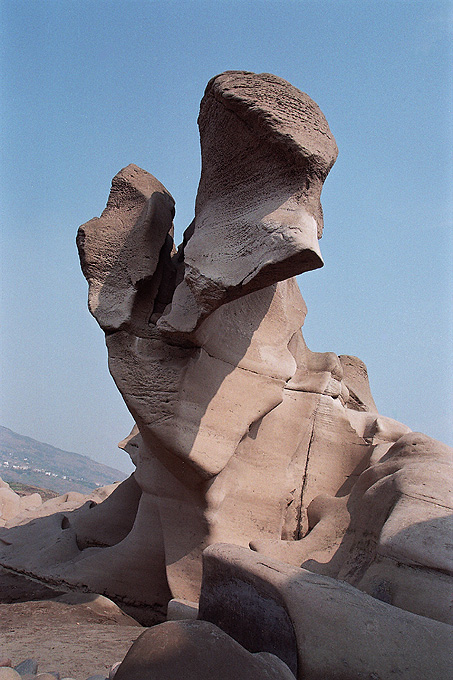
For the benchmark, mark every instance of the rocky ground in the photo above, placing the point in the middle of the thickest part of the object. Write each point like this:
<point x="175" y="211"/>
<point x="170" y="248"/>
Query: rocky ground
<point x="77" y="635"/>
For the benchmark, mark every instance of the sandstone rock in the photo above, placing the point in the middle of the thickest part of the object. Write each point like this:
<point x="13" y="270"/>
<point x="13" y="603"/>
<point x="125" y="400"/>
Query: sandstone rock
<point x="98" y="604"/>
<point x="131" y="444"/>
<point x="376" y="429"/>
<point x="321" y="627"/>
<point x="243" y="434"/>
<point x="195" y="650"/>
<point x="66" y="503"/>
<point x="390" y="535"/>
<point x="398" y="544"/>
<point x="266" y="150"/>
<point x="9" y="504"/>
<point x="120" y="251"/>
<point x="4" y="661"/>
<point x="30" y="502"/>
<point x="355" y="377"/>
<point x="107" y="523"/>
<point x="113" y="670"/>
<point x="48" y="548"/>
<point x="12" y="505"/>
<point x="179" y="610"/>
<point x="9" y="674"/>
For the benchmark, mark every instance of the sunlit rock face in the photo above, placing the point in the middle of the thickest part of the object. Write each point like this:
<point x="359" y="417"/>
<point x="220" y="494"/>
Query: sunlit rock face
<point x="266" y="149"/>
<point x="243" y="435"/>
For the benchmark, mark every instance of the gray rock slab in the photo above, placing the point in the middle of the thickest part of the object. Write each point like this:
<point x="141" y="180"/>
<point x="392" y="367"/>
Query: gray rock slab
<point x="28" y="666"/>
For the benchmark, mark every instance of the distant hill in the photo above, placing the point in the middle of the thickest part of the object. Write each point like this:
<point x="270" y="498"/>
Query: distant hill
<point x="26" y="461"/>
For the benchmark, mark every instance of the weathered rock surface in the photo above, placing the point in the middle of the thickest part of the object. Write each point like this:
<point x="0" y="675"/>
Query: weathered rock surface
<point x="196" y="650"/>
<point x="9" y="674"/>
<point x="391" y="536"/>
<point x="243" y="435"/>
<point x="355" y="377"/>
<point x="211" y="399"/>
<point x="29" y="508"/>
<point x="12" y="504"/>
<point x="266" y="150"/>
<point x="321" y="627"/>
<point x="120" y="251"/>
<point x="398" y="544"/>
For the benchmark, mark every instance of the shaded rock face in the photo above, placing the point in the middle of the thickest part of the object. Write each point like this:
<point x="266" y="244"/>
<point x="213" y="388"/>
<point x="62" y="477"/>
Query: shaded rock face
<point x="243" y="435"/>
<point x="196" y="650"/>
<point x="335" y="631"/>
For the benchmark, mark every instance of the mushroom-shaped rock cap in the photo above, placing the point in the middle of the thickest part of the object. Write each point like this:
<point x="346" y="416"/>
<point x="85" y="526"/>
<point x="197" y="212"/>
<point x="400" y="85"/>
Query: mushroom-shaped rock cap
<point x="276" y="110"/>
<point x="266" y="149"/>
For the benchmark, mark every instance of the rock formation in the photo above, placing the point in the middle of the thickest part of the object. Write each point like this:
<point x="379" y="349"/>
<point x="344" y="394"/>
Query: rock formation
<point x="12" y="505"/>
<point x="196" y="650"/>
<point x="320" y="627"/>
<point x="243" y="435"/>
<point x="16" y="510"/>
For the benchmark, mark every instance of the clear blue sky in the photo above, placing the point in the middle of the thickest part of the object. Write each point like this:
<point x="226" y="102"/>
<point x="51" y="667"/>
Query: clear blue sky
<point x="88" y="87"/>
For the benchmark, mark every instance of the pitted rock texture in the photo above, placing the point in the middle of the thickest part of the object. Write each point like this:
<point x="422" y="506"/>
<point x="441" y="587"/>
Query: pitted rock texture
<point x="124" y="252"/>
<point x="266" y="150"/>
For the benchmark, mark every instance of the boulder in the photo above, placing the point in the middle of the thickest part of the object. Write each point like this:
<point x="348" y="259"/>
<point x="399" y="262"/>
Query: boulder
<point x="196" y="650"/>
<point x="9" y="674"/>
<point x="29" y="666"/>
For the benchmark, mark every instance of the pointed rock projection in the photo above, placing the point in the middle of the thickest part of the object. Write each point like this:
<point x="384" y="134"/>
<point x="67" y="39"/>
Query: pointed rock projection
<point x="124" y="252"/>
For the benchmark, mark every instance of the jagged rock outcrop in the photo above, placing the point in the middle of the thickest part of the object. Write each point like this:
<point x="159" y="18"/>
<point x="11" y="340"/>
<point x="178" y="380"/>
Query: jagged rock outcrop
<point x="125" y="251"/>
<point x="243" y="435"/>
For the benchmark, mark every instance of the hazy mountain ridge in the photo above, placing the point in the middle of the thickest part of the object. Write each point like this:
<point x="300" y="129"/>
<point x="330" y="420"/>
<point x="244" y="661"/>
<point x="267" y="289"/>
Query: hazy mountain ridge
<point x="28" y="461"/>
